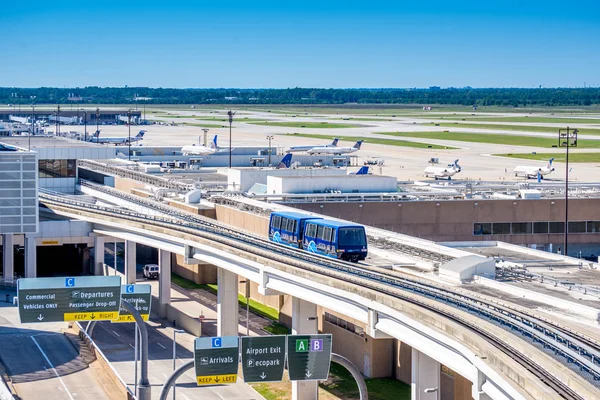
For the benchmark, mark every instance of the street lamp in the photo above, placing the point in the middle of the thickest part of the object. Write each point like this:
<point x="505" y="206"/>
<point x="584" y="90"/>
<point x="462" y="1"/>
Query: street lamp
<point x="567" y="138"/>
<point x="57" y="120"/>
<point x="230" y="114"/>
<point x="129" y="141"/>
<point x="205" y="130"/>
<point x="32" y="119"/>
<point x="270" y="137"/>
<point x="175" y="332"/>
<point x="97" y="122"/>
<point x="432" y="390"/>
<point x="84" y="125"/>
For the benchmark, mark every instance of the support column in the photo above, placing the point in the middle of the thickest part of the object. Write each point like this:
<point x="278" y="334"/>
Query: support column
<point x="477" y="388"/>
<point x="425" y="375"/>
<point x="99" y="242"/>
<point x="227" y="303"/>
<point x="30" y="257"/>
<point x="130" y="264"/>
<point x="164" y="281"/>
<point x="8" y="256"/>
<point x="304" y="321"/>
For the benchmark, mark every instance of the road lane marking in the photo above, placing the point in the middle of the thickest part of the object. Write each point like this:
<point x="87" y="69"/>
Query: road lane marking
<point x="52" y="366"/>
<point x="161" y="346"/>
<point x="116" y="333"/>
<point x="132" y="346"/>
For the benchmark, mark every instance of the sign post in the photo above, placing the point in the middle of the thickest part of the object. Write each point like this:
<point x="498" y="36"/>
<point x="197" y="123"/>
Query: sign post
<point x="140" y="296"/>
<point x="216" y="360"/>
<point x="309" y="357"/>
<point x="81" y="298"/>
<point x="263" y="358"/>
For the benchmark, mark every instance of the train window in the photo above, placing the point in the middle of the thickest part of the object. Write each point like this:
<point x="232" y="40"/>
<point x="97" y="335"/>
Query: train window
<point x="294" y="226"/>
<point x="284" y="222"/>
<point x="327" y="234"/>
<point x="352" y="237"/>
<point x="311" y="230"/>
<point x="276" y="222"/>
<point x="320" y="231"/>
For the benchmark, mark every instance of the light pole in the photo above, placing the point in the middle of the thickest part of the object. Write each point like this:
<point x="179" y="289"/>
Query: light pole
<point x="175" y="332"/>
<point x="84" y="125"/>
<point x="97" y="122"/>
<point x="567" y="138"/>
<point x="32" y="119"/>
<point x="129" y="141"/>
<point x="230" y="114"/>
<point x="205" y="130"/>
<point x="270" y="137"/>
<point x="432" y="390"/>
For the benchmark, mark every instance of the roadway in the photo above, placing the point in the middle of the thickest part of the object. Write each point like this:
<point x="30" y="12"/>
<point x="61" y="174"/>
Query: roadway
<point x="117" y="342"/>
<point x="42" y="363"/>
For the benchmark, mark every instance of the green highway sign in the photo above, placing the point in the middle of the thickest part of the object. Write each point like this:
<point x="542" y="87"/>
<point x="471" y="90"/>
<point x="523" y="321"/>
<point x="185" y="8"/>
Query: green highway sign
<point x="309" y="357"/>
<point x="216" y="360"/>
<point x="139" y="296"/>
<point x="263" y="358"/>
<point x="79" y="298"/>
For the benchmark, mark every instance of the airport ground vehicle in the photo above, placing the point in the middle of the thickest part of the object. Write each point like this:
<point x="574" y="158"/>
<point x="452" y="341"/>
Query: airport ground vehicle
<point x="342" y="240"/>
<point x="151" y="271"/>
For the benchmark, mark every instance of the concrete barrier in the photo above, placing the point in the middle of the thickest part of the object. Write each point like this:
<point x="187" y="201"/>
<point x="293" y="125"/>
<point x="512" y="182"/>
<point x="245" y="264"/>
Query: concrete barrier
<point x="184" y="321"/>
<point x="119" y="383"/>
<point x="5" y="393"/>
<point x="570" y="306"/>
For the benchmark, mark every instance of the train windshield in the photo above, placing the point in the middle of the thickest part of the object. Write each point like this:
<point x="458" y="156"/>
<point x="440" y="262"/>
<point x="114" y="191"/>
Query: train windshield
<point x="351" y="237"/>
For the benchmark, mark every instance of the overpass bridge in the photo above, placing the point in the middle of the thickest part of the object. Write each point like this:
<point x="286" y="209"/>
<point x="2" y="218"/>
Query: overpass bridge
<point x="443" y="325"/>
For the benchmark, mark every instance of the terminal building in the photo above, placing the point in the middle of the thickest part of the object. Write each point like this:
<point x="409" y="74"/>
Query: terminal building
<point x="68" y="116"/>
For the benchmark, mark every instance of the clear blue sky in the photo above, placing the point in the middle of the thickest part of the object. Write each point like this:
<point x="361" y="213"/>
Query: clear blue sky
<point x="288" y="43"/>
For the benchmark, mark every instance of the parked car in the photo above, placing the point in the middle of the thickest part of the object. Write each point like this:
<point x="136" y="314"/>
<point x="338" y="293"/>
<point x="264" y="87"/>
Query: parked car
<point x="151" y="271"/>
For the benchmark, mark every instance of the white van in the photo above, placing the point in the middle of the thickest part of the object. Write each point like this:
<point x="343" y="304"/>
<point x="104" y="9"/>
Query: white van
<point x="151" y="271"/>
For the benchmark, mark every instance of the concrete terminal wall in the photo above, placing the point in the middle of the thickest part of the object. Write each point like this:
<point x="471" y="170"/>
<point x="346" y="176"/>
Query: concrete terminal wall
<point x="244" y="220"/>
<point x="453" y="220"/>
<point x="198" y="273"/>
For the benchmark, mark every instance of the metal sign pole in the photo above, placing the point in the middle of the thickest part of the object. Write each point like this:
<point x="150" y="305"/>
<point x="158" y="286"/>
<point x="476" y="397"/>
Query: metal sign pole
<point x="135" y="362"/>
<point x="144" y="384"/>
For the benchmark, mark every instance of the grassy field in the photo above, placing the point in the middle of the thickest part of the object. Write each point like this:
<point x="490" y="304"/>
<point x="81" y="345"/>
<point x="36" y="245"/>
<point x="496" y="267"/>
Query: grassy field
<point x="544" y="120"/>
<point x="203" y="125"/>
<point x="558" y="157"/>
<point x="390" y="142"/>
<point x="513" y="140"/>
<point x="340" y="385"/>
<point x="301" y="124"/>
<point x="519" y="128"/>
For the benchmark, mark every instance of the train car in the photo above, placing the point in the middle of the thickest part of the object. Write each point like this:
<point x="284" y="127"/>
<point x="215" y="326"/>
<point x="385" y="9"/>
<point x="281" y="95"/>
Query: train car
<point x="336" y="239"/>
<point x="288" y="228"/>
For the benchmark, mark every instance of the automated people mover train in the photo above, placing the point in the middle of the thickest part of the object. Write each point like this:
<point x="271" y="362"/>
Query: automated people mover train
<point x="335" y="239"/>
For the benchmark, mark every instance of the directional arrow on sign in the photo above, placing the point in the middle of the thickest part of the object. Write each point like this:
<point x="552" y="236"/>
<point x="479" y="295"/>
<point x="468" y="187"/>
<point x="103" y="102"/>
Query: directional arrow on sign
<point x="263" y="376"/>
<point x="217" y="380"/>
<point x="41" y="317"/>
<point x="308" y="374"/>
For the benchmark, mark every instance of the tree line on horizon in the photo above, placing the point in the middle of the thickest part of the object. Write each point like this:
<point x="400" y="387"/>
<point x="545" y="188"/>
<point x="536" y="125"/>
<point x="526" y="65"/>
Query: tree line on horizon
<point x="515" y="97"/>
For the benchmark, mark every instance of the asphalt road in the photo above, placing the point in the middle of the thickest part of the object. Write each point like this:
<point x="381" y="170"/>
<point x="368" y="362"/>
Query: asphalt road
<point x="42" y="362"/>
<point x="117" y="342"/>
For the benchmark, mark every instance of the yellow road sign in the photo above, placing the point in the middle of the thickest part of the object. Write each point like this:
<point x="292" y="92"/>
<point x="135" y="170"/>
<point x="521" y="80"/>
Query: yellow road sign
<point x="91" y="316"/>
<point x="128" y="318"/>
<point x="216" y="379"/>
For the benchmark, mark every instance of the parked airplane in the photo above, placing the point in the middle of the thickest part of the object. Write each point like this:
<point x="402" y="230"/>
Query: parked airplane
<point x="116" y="140"/>
<point x="529" y="171"/>
<point x="335" y="150"/>
<point x="298" y="149"/>
<point x="194" y="150"/>
<point x="285" y="162"/>
<point x="441" y="172"/>
<point x="362" y="171"/>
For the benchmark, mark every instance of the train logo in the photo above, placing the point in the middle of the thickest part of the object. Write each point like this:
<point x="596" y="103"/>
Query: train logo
<point x="277" y="237"/>
<point x="312" y="246"/>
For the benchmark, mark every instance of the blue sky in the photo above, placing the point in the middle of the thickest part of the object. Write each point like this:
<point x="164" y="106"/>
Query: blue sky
<point x="288" y="43"/>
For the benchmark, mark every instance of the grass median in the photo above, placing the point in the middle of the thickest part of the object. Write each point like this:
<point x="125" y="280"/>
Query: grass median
<point x="545" y="120"/>
<point x="519" y="128"/>
<point x="558" y="157"/>
<point x="493" y="138"/>
<point x="371" y="140"/>
<point x="300" y="124"/>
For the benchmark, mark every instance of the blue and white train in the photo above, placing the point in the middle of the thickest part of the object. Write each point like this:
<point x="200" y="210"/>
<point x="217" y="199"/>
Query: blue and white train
<point x="335" y="239"/>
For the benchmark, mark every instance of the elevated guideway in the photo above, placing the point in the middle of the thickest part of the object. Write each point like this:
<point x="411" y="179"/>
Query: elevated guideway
<point x="448" y="326"/>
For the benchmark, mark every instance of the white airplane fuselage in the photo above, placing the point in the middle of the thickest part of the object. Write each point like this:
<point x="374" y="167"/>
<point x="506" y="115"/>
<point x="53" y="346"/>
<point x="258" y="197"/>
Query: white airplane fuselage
<point x="439" y="172"/>
<point x="532" y="172"/>
<point x="332" y="150"/>
<point x="198" y="150"/>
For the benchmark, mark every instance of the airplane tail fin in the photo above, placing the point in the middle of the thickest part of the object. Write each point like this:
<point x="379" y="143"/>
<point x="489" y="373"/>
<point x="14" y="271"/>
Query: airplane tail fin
<point x="456" y="166"/>
<point x="213" y="144"/>
<point x="97" y="133"/>
<point x="335" y="142"/>
<point x="141" y="134"/>
<point x="363" y="171"/>
<point x="550" y="162"/>
<point x="285" y="162"/>
<point x="357" y="145"/>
